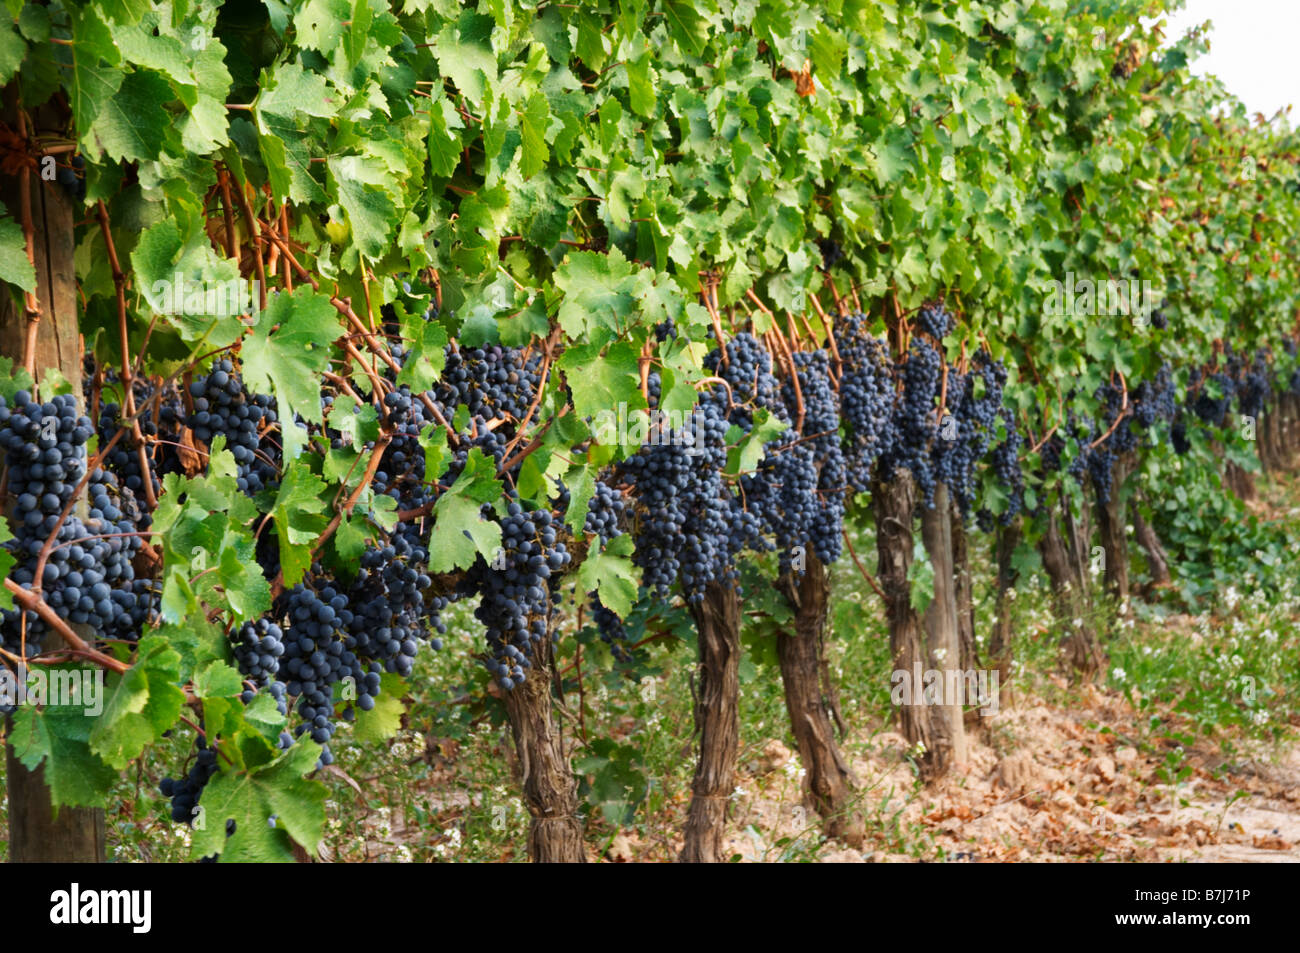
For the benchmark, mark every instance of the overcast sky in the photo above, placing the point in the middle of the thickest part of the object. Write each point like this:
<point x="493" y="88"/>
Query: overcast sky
<point x="1252" y="49"/>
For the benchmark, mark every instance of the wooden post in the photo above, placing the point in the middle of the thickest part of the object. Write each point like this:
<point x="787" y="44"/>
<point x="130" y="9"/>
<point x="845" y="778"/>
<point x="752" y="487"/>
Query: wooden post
<point x="37" y="834"/>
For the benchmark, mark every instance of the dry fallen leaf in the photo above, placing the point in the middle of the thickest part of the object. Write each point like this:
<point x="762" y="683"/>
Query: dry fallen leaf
<point x="192" y="453"/>
<point x="803" y="81"/>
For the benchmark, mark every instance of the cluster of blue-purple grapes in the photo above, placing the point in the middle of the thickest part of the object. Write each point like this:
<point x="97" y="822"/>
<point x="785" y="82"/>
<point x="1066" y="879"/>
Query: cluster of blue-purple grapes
<point x="317" y="658"/>
<point x="1211" y="396"/>
<point x="88" y="577"/>
<point x="689" y="524"/>
<point x="935" y="321"/>
<point x="160" y="423"/>
<point x="1005" y="463"/>
<point x="334" y="636"/>
<point x="748" y="372"/>
<point x="782" y="491"/>
<point x="605" y="513"/>
<point x="71" y="175"/>
<point x="389" y="616"/>
<point x="1155" y="400"/>
<point x="517" y="595"/>
<point x="605" y="517"/>
<point x="915" y="423"/>
<point x="491" y="381"/>
<point x="820" y="434"/>
<point x="1116" y="419"/>
<point x="259" y="646"/>
<point x="975" y="399"/>
<point x="495" y="384"/>
<point x="867" y="398"/>
<point x="1255" y="385"/>
<point x="223" y="407"/>
<point x="1150" y="402"/>
<point x="185" y="792"/>
<point x="889" y="410"/>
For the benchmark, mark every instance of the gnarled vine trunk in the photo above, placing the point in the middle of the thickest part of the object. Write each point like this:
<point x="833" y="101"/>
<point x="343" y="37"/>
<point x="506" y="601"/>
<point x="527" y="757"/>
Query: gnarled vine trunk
<point x="911" y="642"/>
<point x="942" y="631"/>
<point x="550" y="791"/>
<point x="1114" y="537"/>
<point x="1064" y="560"/>
<point x="1000" y="651"/>
<point x="1240" y="481"/>
<point x="1268" y="437"/>
<point x="963" y="592"/>
<point x="1157" y="561"/>
<point x="829" y="782"/>
<point x="717" y="722"/>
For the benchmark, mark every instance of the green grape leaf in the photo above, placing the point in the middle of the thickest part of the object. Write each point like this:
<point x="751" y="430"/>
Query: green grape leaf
<point x="360" y="424"/>
<point x="745" y="451"/>
<point x="689" y="30"/>
<point x="581" y="483"/>
<point x="14" y="266"/>
<point x="611" y="575"/>
<point x="351" y="539"/>
<point x="385" y="719"/>
<point x="607" y="384"/>
<point x="175" y="276"/>
<point x="299" y="519"/>
<point x="250" y="797"/>
<point x="532" y="126"/>
<point x="217" y="680"/>
<point x="12" y="51"/>
<point x="133" y="124"/>
<point x="286" y="355"/>
<point x="362" y="187"/>
<point x="433" y="439"/>
<point x="7" y="562"/>
<point x="144" y="702"/>
<point x="460" y="533"/>
<point x="599" y="291"/>
<point x="58" y="738"/>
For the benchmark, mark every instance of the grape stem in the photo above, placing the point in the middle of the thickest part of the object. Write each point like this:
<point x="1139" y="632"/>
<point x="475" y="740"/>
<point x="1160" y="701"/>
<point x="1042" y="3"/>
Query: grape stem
<point x="709" y="293"/>
<point x="830" y="334"/>
<point x="372" y="467"/>
<point x="32" y="601"/>
<point x="548" y="351"/>
<point x="128" y="377"/>
<point x="1123" y="412"/>
<point x="31" y="302"/>
<point x="861" y="568"/>
<point x="259" y="258"/>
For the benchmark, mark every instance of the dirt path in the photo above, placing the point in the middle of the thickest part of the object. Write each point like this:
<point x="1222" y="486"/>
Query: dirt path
<point x="1073" y="785"/>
